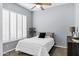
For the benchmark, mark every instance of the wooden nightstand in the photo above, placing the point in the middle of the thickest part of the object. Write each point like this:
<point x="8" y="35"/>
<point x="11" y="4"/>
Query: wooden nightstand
<point x="73" y="47"/>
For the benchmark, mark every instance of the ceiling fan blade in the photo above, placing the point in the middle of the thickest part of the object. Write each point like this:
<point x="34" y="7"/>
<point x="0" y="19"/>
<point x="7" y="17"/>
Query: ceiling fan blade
<point x="43" y="3"/>
<point x="33" y="7"/>
<point x="46" y="3"/>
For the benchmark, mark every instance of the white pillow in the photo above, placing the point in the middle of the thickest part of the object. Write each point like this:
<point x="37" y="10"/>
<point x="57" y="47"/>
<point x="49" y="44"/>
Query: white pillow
<point x="47" y="36"/>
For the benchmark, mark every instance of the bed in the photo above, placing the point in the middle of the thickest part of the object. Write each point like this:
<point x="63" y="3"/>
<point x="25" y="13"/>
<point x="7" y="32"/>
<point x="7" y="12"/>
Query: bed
<point x="36" y="46"/>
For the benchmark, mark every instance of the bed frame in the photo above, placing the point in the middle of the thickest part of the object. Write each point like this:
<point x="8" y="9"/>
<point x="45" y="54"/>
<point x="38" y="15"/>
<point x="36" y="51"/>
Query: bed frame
<point x="53" y="47"/>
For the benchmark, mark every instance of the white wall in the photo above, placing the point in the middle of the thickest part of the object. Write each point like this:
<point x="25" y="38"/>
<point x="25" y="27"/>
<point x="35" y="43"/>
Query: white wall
<point x="77" y="15"/>
<point x="1" y="49"/>
<point x="57" y="19"/>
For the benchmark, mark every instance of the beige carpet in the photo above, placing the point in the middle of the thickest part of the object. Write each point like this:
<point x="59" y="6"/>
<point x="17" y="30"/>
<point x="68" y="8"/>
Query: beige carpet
<point x="56" y="52"/>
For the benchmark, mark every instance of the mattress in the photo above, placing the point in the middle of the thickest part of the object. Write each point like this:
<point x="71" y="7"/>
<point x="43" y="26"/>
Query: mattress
<point x="35" y="46"/>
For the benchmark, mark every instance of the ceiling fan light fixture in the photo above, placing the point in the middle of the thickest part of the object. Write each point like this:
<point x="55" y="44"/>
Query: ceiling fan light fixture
<point x="45" y="6"/>
<point x="38" y="6"/>
<point x="42" y="6"/>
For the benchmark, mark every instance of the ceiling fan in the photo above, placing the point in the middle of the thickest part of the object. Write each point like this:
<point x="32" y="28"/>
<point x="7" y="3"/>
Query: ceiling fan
<point x="42" y="6"/>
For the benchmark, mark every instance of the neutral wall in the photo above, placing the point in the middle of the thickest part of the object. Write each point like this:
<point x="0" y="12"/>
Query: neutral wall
<point x="1" y="49"/>
<point x="56" y="19"/>
<point x="9" y="46"/>
<point x="77" y="15"/>
<point x="18" y="9"/>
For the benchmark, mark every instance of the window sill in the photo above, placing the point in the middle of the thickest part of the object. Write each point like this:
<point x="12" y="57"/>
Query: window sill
<point x="10" y="41"/>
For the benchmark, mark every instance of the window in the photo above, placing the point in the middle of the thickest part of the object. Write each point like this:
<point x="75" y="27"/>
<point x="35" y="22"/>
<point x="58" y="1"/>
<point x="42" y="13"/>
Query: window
<point x="5" y="25"/>
<point x="19" y="26"/>
<point x="24" y="27"/>
<point x="14" y="26"/>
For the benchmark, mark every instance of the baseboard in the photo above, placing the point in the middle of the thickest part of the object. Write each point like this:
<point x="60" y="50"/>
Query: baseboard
<point x="60" y="46"/>
<point x="8" y="51"/>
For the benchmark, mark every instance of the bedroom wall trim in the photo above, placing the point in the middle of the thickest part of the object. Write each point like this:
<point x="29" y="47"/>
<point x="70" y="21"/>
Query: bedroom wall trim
<point x="60" y="46"/>
<point x="11" y="41"/>
<point x="8" y="51"/>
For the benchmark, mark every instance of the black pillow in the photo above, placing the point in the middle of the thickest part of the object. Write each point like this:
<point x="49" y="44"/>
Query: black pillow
<point x="42" y="35"/>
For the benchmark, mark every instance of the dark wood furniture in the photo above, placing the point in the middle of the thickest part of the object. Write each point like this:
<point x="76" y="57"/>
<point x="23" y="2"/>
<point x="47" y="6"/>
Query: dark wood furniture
<point x="73" y="47"/>
<point x="32" y="32"/>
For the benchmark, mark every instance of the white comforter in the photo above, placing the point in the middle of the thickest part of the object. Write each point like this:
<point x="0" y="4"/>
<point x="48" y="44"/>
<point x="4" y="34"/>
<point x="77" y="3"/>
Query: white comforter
<point x="35" y="46"/>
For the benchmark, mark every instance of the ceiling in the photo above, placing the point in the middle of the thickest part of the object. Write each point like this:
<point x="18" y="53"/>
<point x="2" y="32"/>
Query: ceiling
<point x="30" y="5"/>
